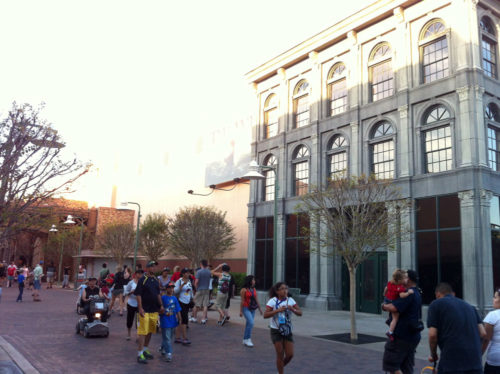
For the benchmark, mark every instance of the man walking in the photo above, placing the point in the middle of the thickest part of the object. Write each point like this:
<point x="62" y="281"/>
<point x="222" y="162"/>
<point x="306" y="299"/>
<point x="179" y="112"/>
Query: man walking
<point x="65" y="283"/>
<point x="104" y="272"/>
<point x="148" y="303"/>
<point x="399" y="353"/>
<point x="202" y="296"/>
<point x="456" y="328"/>
<point x="37" y="281"/>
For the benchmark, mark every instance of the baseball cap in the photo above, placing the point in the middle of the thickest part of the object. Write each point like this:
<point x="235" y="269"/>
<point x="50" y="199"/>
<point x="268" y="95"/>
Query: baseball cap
<point x="41" y="262"/>
<point x="151" y="264"/>
<point x="170" y="284"/>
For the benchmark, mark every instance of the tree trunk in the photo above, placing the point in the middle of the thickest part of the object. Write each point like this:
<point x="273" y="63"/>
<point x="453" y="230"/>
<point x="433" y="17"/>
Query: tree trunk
<point x="352" y="303"/>
<point x="60" y="262"/>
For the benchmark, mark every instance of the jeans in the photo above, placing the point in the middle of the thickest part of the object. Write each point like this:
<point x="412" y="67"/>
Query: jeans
<point x="167" y="334"/>
<point x="249" y="315"/>
<point x="21" y="289"/>
<point x="65" y="280"/>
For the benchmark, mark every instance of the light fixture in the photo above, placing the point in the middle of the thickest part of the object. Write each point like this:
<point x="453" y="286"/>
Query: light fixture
<point x="53" y="228"/>
<point x="253" y="173"/>
<point x="69" y="220"/>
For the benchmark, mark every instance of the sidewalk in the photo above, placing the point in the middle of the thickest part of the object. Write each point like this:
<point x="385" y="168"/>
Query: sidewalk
<point x="315" y="323"/>
<point x="12" y="362"/>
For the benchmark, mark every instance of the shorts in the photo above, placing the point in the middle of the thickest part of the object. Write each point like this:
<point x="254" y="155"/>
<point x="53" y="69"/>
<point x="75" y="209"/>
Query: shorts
<point x="50" y="276"/>
<point x="10" y="277"/>
<point x="201" y="298"/>
<point x="221" y="300"/>
<point x="277" y="337"/>
<point x="147" y="324"/>
<point x="117" y="292"/>
<point x="399" y="355"/>
<point x="37" y="285"/>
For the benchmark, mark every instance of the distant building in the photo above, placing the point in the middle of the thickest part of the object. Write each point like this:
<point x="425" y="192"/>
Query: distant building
<point x="407" y="90"/>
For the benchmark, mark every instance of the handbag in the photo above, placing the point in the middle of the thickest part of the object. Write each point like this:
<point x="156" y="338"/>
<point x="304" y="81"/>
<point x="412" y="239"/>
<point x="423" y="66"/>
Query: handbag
<point x="284" y="324"/>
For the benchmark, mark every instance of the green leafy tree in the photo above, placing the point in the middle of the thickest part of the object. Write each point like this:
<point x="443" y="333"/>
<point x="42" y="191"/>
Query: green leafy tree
<point x="154" y="236"/>
<point x="116" y="241"/>
<point x="200" y="232"/>
<point x="350" y="218"/>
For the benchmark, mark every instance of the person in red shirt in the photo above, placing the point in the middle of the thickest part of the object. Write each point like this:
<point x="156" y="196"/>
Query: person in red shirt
<point x="395" y="289"/>
<point x="177" y="274"/>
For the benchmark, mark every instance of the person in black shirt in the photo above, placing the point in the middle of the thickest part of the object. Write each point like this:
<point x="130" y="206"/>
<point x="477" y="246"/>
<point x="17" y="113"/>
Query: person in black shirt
<point x="65" y="283"/>
<point x="118" y="284"/>
<point x="91" y="291"/>
<point x="399" y="353"/>
<point x="148" y="304"/>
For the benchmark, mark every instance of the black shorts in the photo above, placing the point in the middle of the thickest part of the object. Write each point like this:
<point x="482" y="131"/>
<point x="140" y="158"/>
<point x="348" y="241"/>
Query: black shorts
<point x="184" y="313"/>
<point x="399" y="355"/>
<point x="277" y="337"/>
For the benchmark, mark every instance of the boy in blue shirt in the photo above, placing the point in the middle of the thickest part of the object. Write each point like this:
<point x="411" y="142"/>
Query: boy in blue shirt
<point x="20" y="281"/>
<point x="169" y="320"/>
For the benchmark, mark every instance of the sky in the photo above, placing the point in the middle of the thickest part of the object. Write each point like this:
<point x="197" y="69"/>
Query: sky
<point x="134" y="86"/>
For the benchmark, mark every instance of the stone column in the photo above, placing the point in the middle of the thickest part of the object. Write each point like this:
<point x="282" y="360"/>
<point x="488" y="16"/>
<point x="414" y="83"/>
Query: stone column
<point x="404" y="149"/>
<point x="354" y="150"/>
<point x="407" y="214"/>
<point x="282" y="101"/>
<point x="463" y="128"/>
<point x="353" y="67"/>
<point x="314" y="256"/>
<point x="251" y="246"/>
<point x="280" y="247"/>
<point x="486" y="260"/>
<point x="402" y="48"/>
<point x="481" y="154"/>
<point x="315" y="85"/>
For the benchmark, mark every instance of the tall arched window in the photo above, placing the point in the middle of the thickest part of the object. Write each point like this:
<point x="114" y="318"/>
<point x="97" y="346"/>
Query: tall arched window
<point x="337" y="89"/>
<point x="381" y="74"/>
<point x="437" y="140"/>
<point x="493" y="120"/>
<point x="270" y="116"/>
<point x="270" y="180"/>
<point x="337" y="154"/>
<point x="488" y="47"/>
<point x="382" y="151"/>
<point x="434" y="52"/>
<point x="301" y="104"/>
<point x="301" y="170"/>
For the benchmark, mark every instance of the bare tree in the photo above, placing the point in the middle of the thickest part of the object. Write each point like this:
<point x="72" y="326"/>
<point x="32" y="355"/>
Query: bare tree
<point x="200" y="232"/>
<point x="349" y="218"/>
<point x="32" y="167"/>
<point x="117" y="241"/>
<point x="154" y="236"/>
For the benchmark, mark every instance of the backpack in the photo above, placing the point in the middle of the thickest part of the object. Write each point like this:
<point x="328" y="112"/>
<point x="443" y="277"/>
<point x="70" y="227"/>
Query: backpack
<point x="224" y="287"/>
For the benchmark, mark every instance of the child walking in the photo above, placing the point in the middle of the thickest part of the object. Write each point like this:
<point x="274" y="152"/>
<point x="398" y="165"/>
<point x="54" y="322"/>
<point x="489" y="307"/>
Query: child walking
<point x="395" y="289"/>
<point x="169" y="320"/>
<point x="20" y="281"/>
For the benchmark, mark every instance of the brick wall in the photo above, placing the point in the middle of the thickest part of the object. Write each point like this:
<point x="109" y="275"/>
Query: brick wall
<point x="106" y="216"/>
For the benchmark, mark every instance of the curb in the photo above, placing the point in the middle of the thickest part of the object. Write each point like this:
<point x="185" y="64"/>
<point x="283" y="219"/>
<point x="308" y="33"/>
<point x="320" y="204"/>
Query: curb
<point x="17" y="358"/>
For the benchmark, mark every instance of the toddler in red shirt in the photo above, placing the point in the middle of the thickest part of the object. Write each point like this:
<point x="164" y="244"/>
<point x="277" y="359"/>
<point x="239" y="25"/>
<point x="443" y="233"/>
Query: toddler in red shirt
<point x="395" y="289"/>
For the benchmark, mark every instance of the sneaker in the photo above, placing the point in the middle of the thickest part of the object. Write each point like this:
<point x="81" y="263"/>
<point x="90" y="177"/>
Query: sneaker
<point x="186" y="342"/>
<point x="127" y="338"/>
<point x="194" y="320"/>
<point x="148" y="355"/>
<point x="141" y="359"/>
<point x="224" y="319"/>
<point x="203" y="321"/>
<point x="249" y="343"/>
<point x="162" y="351"/>
<point x="168" y="358"/>
<point x="245" y="341"/>
<point x="210" y="304"/>
<point x="177" y="340"/>
<point x="219" y="323"/>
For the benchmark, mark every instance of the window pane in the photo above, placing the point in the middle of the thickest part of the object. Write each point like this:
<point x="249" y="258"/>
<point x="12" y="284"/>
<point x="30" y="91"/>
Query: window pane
<point x="291" y="225"/>
<point x="338" y="97"/>
<point x="301" y="111"/>
<point x="303" y="262"/>
<point x="435" y="60"/>
<point x="338" y="165"/>
<point x="437" y="144"/>
<point x="383" y="160"/>
<point x="450" y="248"/>
<point x="301" y="178"/>
<point x="495" y="211"/>
<point x="427" y="264"/>
<point x="269" y="227"/>
<point x="426" y="214"/>
<point x="291" y="263"/>
<point x="382" y="76"/>
<point x="449" y="211"/>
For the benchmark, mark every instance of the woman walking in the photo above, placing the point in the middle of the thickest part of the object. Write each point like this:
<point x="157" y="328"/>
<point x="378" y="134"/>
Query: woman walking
<point x="249" y="304"/>
<point x="184" y="291"/>
<point x="117" y="292"/>
<point x="491" y="342"/>
<point x="131" y="300"/>
<point x="280" y="308"/>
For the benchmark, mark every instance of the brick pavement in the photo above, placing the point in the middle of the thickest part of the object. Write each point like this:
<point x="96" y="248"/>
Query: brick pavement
<point x="44" y="334"/>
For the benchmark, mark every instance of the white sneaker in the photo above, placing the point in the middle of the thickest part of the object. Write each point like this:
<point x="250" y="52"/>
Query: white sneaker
<point x="249" y="343"/>
<point x="194" y="320"/>
<point x="245" y="341"/>
<point x="203" y="321"/>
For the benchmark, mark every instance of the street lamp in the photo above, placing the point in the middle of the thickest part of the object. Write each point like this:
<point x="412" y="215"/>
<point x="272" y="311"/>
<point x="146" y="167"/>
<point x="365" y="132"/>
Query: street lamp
<point x="136" y="246"/>
<point x="70" y="221"/>
<point x="254" y="174"/>
<point x="54" y="230"/>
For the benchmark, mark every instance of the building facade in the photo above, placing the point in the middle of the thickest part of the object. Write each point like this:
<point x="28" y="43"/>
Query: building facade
<point x="407" y="90"/>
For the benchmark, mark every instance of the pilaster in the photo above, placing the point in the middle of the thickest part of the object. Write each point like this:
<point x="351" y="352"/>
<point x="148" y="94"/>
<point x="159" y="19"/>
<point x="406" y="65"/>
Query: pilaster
<point x="354" y="149"/>
<point x="463" y="125"/>
<point x="251" y="246"/>
<point x="315" y="84"/>
<point x="404" y="149"/>
<point x="282" y="101"/>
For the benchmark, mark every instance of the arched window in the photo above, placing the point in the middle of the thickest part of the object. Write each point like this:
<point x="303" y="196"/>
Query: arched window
<point x="270" y="180"/>
<point x="301" y="170"/>
<point x="437" y="140"/>
<point x="301" y="104"/>
<point x="493" y="122"/>
<point x="382" y="151"/>
<point x="381" y="74"/>
<point x="337" y="89"/>
<point x="271" y="116"/>
<point x="488" y="47"/>
<point x="434" y="52"/>
<point x="337" y="154"/>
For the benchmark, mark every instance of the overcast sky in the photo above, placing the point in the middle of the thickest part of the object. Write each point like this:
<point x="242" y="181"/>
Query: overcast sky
<point x="132" y="85"/>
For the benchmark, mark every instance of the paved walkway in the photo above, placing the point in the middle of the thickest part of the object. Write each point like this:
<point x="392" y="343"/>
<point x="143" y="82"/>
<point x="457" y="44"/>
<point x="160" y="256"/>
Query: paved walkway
<point x="40" y="337"/>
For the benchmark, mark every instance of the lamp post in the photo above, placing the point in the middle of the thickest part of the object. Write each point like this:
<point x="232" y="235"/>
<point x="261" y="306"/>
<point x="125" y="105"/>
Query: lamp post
<point x="54" y="229"/>
<point x="70" y="221"/>
<point x="136" y="245"/>
<point x="254" y="174"/>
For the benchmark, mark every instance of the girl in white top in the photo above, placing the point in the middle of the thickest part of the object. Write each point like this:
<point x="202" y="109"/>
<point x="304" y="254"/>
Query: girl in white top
<point x="128" y="290"/>
<point x="492" y="340"/>
<point x="280" y="308"/>
<point x="184" y="292"/>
